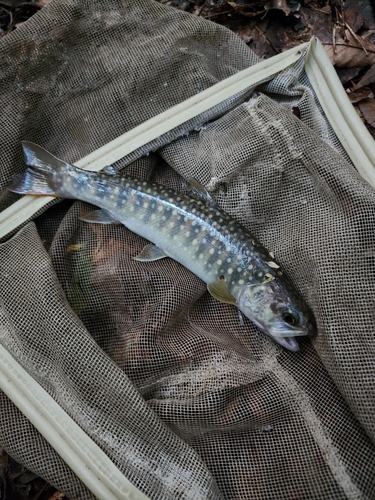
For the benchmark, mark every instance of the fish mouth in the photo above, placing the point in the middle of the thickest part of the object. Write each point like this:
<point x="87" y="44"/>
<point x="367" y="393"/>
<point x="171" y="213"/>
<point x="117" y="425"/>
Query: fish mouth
<point x="289" y="343"/>
<point x="285" y="332"/>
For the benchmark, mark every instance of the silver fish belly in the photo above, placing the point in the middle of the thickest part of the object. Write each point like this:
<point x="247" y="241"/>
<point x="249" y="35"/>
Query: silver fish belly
<point x="194" y="232"/>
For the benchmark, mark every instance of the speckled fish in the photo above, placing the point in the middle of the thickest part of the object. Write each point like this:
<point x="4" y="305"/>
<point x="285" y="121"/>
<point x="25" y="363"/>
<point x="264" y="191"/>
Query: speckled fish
<point x="190" y="229"/>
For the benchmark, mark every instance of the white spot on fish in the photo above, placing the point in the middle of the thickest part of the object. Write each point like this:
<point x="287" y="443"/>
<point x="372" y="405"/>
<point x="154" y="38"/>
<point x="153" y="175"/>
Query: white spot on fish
<point x="229" y="260"/>
<point x="230" y="271"/>
<point x="153" y="216"/>
<point x="239" y="269"/>
<point x="241" y="282"/>
<point x="174" y="212"/>
<point x="219" y="262"/>
<point x="149" y="190"/>
<point x="171" y="224"/>
<point x="260" y="275"/>
<point x="211" y="251"/>
<point x="201" y="255"/>
<point x="195" y="242"/>
<point x="194" y="223"/>
<point x="145" y="204"/>
<point x="160" y="208"/>
<point x="187" y="235"/>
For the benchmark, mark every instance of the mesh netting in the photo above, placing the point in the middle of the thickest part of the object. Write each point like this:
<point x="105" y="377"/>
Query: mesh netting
<point x="187" y="400"/>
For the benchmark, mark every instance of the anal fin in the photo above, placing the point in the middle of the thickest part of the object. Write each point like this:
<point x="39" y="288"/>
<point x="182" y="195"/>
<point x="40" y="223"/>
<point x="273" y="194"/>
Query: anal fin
<point x="100" y="217"/>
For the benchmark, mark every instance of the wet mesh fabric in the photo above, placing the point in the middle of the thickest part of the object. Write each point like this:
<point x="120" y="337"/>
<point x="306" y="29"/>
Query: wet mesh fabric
<point x="188" y="400"/>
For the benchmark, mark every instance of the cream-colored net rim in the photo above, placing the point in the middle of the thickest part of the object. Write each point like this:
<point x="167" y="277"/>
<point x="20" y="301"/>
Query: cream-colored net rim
<point x="149" y="130"/>
<point x="82" y="455"/>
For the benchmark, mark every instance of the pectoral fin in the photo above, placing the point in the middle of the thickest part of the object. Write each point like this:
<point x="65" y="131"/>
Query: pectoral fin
<point x="220" y="291"/>
<point x="100" y="217"/>
<point x="150" y="253"/>
<point x="198" y="191"/>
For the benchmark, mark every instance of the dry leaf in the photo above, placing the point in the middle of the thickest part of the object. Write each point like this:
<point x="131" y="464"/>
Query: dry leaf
<point x="246" y="10"/>
<point x="351" y="53"/>
<point x="367" y="108"/>
<point x="278" y="4"/>
<point x="354" y="19"/>
<point x="359" y="95"/>
<point x="57" y="496"/>
<point x="368" y="77"/>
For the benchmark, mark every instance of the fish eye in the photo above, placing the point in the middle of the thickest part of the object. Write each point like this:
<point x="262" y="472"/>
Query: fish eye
<point x="290" y="317"/>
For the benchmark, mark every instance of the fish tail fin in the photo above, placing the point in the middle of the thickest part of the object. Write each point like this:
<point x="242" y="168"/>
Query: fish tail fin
<point x="42" y="177"/>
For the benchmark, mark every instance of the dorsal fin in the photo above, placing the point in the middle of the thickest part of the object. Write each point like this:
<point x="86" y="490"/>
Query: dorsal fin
<point x="196" y="190"/>
<point x="109" y="170"/>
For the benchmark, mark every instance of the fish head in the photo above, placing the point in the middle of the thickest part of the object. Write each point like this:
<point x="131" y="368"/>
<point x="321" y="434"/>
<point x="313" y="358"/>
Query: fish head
<point x="277" y="311"/>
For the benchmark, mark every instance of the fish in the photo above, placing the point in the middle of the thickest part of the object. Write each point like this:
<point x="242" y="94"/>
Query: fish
<point x="187" y="227"/>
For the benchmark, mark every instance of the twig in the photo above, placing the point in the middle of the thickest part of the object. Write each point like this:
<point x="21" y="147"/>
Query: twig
<point x="358" y="38"/>
<point x="218" y="14"/>
<point x="349" y="45"/>
<point x="266" y="39"/>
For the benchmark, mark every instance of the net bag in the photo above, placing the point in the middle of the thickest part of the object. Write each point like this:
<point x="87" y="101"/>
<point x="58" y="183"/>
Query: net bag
<point x="186" y="399"/>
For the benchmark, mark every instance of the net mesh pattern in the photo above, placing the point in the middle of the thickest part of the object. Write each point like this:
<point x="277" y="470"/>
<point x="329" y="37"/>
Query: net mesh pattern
<point x="187" y="399"/>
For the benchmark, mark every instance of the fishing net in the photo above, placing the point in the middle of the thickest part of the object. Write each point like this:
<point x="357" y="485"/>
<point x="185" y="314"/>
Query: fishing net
<point x="187" y="400"/>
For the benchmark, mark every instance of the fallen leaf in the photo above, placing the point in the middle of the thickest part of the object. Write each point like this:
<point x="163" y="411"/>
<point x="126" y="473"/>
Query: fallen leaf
<point x="347" y="74"/>
<point x="246" y="10"/>
<point x="367" y="108"/>
<point x="364" y="7"/>
<point x="57" y="496"/>
<point x="278" y="4"/>
<point x="245" y="35"/>
<point x="368" y="77"/>
<point x="354" y="19"/>
<point x="351" y="53"/>
<point x="359" y="95"/>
